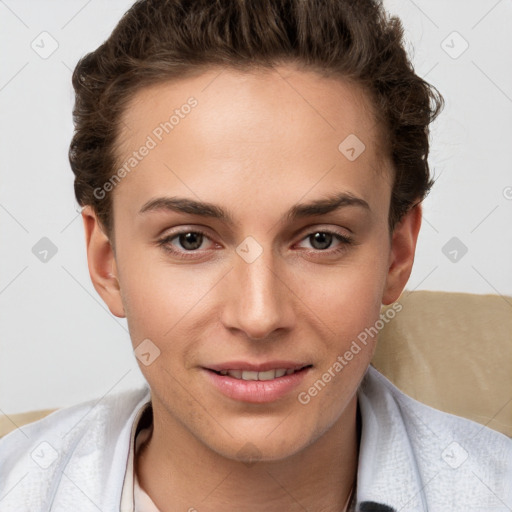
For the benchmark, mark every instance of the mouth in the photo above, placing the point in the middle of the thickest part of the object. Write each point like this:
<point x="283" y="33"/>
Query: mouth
<point x="257" y="384"/>
<point x="271" y="374"/>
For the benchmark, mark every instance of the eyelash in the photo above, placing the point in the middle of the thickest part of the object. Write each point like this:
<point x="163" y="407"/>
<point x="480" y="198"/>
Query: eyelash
<point x="165" y="243"/>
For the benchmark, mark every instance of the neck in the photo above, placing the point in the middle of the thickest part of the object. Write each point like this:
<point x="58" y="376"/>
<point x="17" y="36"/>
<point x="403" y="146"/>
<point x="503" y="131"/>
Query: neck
<point x="181" y="473"/>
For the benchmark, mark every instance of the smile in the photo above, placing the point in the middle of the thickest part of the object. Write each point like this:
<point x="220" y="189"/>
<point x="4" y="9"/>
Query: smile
<point x="257" y="385"/>
<point x="252" y="375"/>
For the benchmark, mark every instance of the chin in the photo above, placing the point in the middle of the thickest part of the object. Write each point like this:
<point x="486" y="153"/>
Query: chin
<point x="262" y="447"/>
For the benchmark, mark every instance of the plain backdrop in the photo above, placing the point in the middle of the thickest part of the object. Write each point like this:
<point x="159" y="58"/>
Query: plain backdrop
<point x="59" y="344"/>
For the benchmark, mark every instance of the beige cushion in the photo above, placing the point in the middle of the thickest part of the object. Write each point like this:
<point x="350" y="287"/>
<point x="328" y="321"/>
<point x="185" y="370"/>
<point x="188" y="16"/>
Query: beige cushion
<point x="11" y="421"/>
<point x="452" y="351"/>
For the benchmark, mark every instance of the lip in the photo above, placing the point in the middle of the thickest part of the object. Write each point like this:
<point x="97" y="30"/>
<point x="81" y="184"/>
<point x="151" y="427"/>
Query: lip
<point x="256" y="391"/>
<point x="257" y="367"/>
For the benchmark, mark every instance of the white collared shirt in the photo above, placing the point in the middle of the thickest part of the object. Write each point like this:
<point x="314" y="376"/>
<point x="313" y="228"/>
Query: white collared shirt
<point x="412" y="458"/>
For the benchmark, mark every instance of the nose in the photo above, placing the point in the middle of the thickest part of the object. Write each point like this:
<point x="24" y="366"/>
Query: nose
<point x="259" y="300"/>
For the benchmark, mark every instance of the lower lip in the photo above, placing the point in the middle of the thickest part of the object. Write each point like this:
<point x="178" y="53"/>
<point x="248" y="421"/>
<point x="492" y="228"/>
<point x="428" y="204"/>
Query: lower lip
<point x="256" y="391"/>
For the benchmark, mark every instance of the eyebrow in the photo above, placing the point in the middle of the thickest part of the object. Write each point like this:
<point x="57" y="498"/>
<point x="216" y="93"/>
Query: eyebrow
<point x="298" y="211"/>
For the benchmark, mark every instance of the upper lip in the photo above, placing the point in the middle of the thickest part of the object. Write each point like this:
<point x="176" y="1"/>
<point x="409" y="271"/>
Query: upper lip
<point x="257" y="367"/>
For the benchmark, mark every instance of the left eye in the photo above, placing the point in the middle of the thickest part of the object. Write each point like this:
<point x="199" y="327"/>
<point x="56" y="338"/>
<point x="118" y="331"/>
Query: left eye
<point x="322" y="240"/>
<point x="189" y="240"/>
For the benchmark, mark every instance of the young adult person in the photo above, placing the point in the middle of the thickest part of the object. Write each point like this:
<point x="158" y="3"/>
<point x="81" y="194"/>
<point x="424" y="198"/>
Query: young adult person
<point x="252" y="175"/>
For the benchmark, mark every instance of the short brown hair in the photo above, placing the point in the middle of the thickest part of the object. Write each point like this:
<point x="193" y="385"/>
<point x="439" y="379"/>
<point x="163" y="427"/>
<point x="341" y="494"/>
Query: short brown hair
<point x="157" y="40"/>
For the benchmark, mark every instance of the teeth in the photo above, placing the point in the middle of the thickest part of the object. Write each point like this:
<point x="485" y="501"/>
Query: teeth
<point x="251" y="375"/>
<point x="268" y="375"/>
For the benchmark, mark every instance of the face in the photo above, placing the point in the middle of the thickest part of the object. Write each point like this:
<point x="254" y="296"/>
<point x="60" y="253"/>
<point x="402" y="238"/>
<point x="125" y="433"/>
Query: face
<point x="246" y="239"/>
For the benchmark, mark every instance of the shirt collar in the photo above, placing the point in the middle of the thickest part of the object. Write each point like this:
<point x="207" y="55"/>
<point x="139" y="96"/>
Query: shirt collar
<point x="387" y="478"/>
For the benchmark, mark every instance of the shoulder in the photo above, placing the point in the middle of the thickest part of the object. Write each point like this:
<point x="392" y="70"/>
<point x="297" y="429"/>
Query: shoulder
<point x="455" y="458"/>
<point x="37" y="459"/>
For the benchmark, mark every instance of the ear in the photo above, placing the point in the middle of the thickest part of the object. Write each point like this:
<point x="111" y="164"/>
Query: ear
<point x="102" y="263"/>
<point x="401" y="258"/>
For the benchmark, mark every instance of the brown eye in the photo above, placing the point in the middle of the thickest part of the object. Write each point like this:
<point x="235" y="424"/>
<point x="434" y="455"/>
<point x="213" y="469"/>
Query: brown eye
<point x="321" y="240"/>
<point x="185" y="244"/>
<point x="190" y="241"/>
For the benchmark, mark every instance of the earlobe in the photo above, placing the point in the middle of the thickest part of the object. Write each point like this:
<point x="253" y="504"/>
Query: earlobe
<point x="403" y="247"/>
<point x="101" y="262"/>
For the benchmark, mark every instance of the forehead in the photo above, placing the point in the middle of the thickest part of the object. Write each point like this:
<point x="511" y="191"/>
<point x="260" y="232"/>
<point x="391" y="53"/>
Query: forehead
<point x="255" y="99"/>
<point x="276" y="131"/>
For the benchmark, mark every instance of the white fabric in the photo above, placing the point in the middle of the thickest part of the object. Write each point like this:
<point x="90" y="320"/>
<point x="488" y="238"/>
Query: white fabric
<point x="142" y="502"/>
<point x="412" y="457"/>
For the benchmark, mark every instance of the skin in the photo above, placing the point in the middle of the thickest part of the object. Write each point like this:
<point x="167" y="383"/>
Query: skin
<point x="256" y="144"/>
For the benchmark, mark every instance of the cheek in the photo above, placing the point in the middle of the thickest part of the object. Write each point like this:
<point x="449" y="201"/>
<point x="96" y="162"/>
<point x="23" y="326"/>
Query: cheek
<point x="357" y="306"/>
<point x="157" y="295"/>
<point x="347" y="297"/>
<point x="349" y="305"/>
